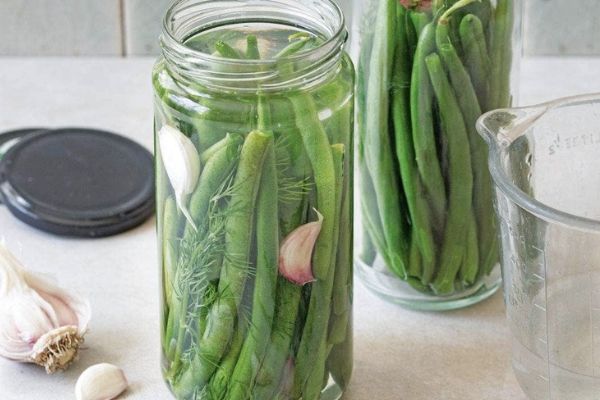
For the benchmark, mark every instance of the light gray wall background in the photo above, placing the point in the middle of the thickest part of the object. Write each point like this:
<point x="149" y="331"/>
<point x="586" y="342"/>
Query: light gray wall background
<point x="131" y="27"/>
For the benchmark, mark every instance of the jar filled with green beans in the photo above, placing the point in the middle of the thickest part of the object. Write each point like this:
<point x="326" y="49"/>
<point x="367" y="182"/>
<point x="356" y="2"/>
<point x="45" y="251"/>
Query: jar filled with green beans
<point x="254" y="106"/>
<point x="427" y="70"/>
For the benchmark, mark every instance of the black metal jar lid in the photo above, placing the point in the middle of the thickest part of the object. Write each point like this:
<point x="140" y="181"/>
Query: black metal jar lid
<point x="76" y="181"/>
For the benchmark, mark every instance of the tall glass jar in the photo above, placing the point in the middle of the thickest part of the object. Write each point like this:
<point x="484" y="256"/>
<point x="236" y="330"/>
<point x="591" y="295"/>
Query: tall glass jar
<point x="426" y="71"/>
<point x="253" y="131"/>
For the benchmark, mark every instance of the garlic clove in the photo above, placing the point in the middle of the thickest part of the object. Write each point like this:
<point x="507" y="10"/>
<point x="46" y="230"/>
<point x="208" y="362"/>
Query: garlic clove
<point x="296" y="251"/>
<point x="182" y="163"/>
<point x="101" y="382"/>
<point x="40" y="322"/>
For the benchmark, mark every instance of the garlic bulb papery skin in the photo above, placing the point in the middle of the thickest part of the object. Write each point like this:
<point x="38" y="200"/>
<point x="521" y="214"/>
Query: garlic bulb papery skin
<point x="182" y="163"/>
<point x="101" y="382"/>
<point x="295" y="254"/>
<point x="40" y="322"/>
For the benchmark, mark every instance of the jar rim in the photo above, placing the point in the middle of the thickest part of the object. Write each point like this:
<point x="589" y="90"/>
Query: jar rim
<point x="191" y="62"/>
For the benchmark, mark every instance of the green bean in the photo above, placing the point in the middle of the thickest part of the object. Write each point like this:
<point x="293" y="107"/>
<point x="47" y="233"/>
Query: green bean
<point x="421" y="97"/>
<point x="228" y="140"/>
<point x="263" y="306"/>
<point x="341" y="289"/>
<point x="234" y="272"/>
<point x="418" y="285"/>
<point x="223" y="377"/>
<point x="215" y="171"/>
<point x="317" y="319"/>
<point x="482" y="182"/>
<point x="417" y="202"/>
<point x="338" y="327"/>
<point x="286" y="312"/>
<point x="419" y="21"/>
<point x="377" y="144"/>
<point x="378" y="239"/>
<point x="415" y="269"/>
<point x="461" y="181"/>
<point x="227" y="51"/>
<point x="319" y="153"/>
<point x="314" y="383"/>
<point x="470" y="266"/>
<point x="171" y="232"/>
<point x="476" y="56"/>
<point x="501" y="55"/>
<point x="337" y="362"/>
<point x="252" y="52"/>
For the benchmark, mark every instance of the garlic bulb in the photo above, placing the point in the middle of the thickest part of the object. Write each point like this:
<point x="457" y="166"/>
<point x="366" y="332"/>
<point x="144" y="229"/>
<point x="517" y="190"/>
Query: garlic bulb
<point x="101" y="382"/>
<point x="39" y="322"/>
<point x="296" y="252"/>
<point x="182" y="163"/>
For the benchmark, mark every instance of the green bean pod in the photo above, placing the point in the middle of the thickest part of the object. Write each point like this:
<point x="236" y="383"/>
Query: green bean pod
<point x="317" y="321"/>
<point x="476" y="55"/>
<point x="415" y="197"/>
<point x="267" y="243"/>
<point x="461" y="178"/>
<point x="421" y="98"/>
<point x="377" y="144"/>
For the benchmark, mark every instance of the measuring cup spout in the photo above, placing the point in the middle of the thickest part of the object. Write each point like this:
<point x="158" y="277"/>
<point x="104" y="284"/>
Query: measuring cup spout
<point x="501" y="127"/>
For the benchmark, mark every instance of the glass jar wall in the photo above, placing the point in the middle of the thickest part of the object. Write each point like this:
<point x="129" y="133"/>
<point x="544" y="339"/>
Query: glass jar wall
<point x="254" y="122"/>
<point x="427" y="70"/>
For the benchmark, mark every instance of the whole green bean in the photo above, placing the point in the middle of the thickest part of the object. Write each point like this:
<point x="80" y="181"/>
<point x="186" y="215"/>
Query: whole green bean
<point x="234" y="272"/>
<point x="476" y="56"/>
<point x="417" y="202"/>
<point x="377" y="144"/>
<point x="461" y="181"/>
<point x="501" y="55"/>
<point x="319" y="153"/>
<point x="421" y="98"/>
<point x="263" y="306"/>
<point x="317" y="319"/>
<point x="482" y="182"/>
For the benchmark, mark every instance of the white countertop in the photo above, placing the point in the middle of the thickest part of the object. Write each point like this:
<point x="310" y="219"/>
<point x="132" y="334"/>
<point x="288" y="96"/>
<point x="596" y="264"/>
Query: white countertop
<point x="399" y="354"/>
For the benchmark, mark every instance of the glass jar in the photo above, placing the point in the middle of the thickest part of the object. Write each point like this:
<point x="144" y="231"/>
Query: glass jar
<point x="253" y="131"/>
<point x="426" y="71"/>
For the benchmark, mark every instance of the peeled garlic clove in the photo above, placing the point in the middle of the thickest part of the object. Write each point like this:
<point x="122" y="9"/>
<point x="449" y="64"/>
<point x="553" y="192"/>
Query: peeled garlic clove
<point x="182" y="163"/>
<point x="40" y="322"/>
<point x="101" y="382"/>
<point x="296" y="252"/>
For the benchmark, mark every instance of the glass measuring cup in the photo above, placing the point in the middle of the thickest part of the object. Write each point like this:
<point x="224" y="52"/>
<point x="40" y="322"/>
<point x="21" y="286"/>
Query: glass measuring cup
<point x="545" y="162"/>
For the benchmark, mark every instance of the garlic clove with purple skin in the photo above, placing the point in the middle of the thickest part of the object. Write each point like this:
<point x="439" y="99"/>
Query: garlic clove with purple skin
<point x="182" y="163"/>
<point x="40" y="323"/>
<point x="295" y="254"/>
